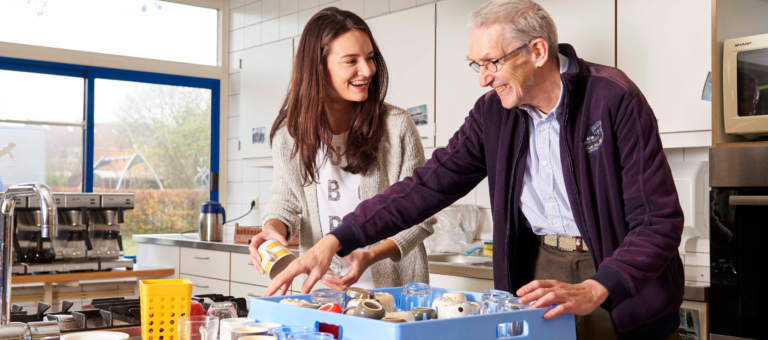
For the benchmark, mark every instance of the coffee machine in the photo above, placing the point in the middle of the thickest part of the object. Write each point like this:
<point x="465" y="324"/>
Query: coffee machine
<point x="105" y="230"/>
<point x="84" y="222"/>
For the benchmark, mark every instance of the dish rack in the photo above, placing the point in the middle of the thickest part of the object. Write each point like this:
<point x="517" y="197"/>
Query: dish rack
<point x="470" y="327"/>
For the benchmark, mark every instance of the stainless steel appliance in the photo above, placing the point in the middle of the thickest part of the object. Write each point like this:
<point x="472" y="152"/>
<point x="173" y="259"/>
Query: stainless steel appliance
<point x="211" y="223"/>
<point x="106" y="222"/>
<point x="48" y="227"/>
<point x="738" y="231"/>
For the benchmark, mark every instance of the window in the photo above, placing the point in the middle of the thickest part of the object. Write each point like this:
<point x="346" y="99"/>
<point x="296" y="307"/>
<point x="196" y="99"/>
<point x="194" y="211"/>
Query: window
<point x="154" y="141"/>
<point x="136" y="28"/>
<point x="41" y="140"/>
<point x="91" y="129"/>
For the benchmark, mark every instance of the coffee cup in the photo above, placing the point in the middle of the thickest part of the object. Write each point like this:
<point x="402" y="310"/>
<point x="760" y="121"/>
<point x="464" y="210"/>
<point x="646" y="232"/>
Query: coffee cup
<point x="274" y="257"/>
<point x="241" y="332"/>
<point x="267" y="325"/>
<point x="387" y="300"/>
<point x="407" y="316"/>
<point x="444" y="301"/>
<point x="227" y="325"/>
<point x="423" y="313"/>
<point x="370" y="309"/>
<point x="463" y="297"/>
<point x="455" y="310"/>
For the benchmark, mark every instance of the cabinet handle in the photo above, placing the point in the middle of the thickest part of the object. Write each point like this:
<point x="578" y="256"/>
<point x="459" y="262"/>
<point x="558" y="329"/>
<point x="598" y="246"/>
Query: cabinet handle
<point x="202" y="258"/>
<point x="253" y="295"/>
<point x="748" y="200"/>
<point x="199" y="286"/>
<point x="250" y="264"/>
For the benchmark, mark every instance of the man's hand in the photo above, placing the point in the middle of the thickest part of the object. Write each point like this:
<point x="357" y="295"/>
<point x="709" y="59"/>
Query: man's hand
<point x="315" y="263"/>
<point x="358" y="261"/>
<point x="272" y="230"/>
<point x="578" y="299"/>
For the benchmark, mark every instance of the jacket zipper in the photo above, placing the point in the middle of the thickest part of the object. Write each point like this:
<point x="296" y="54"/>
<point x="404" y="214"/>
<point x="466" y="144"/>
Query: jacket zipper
<point x="511" y="194"/>
<point x="573" y="175"/>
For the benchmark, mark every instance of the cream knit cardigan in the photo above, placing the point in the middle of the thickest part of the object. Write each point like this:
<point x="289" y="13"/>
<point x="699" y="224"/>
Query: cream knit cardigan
<point x="400" y="152"/>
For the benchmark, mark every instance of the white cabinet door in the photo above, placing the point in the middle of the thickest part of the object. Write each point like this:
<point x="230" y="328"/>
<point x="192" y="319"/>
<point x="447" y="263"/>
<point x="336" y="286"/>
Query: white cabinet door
<point x="264" y="80"/>
<point x="159" y="256"/>
<point x="248" y="292"/>
<point x="588" y="25"/>
<point x="244" y="272"/>
<point x="407" y="42"/>
<point x="204" y="285"/>
<point x="206" y="263"/>
<point x="665" y="48"/>
<point x="460" y="283"/>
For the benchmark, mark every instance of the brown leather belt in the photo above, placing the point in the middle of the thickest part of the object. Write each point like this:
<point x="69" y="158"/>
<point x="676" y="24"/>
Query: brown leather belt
<point x="566" y="243"/>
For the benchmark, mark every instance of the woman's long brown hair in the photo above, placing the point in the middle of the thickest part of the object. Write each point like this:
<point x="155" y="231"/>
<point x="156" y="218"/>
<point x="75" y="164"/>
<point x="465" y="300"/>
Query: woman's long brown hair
<point x="303" y="111"/>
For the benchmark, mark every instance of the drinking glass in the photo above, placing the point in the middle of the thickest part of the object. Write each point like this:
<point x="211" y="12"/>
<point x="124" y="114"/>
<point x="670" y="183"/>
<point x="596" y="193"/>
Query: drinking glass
<point x="311" y="336"/>
<point x="223" y="310"/>
<point x="334" y="271"/>
<point x="282" y="333"/>
<point x="491" y="300"/>
<point x="508" y="304"/>
<point x="324" y="296"/>
<point x="198" y="327"/>
<point x="416" y="294"/>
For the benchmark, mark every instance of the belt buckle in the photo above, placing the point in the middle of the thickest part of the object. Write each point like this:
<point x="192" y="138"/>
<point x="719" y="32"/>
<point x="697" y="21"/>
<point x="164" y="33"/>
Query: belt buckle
<point x="579" y="247"/>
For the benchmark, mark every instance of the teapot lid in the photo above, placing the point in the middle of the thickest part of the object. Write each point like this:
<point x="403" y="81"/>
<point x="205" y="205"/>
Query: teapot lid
<point x="210" y="207"/>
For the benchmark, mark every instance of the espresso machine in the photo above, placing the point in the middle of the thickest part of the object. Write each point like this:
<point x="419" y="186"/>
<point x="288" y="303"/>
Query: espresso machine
<point x="88" y="238"/>
<point x="105" y="235"/>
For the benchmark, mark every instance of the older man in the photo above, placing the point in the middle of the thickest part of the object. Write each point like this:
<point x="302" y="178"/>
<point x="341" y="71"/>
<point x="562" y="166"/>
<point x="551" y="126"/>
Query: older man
<point x="583" y="199"/>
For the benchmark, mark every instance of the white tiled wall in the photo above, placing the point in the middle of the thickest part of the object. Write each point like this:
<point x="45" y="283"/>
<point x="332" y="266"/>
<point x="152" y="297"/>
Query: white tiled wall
<point x="257" y="22"/>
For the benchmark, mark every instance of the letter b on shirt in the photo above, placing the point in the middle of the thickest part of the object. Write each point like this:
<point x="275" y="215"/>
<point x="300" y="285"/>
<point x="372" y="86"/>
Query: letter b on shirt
<point x="333" y="191"/>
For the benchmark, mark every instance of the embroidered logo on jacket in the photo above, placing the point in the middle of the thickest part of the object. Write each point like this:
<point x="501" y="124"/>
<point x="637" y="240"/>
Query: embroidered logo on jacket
<point x="593" y="141"/>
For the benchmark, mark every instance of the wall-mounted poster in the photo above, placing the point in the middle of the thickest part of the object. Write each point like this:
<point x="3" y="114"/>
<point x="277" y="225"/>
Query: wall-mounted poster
<point x="259" y="135"/>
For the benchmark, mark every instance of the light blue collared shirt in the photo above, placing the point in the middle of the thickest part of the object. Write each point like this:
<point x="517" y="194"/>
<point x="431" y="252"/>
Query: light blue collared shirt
<point x="544" y="200"/>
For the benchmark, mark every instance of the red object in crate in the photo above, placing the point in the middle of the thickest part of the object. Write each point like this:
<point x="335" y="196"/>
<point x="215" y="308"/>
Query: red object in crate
<point x="332" y="307"/>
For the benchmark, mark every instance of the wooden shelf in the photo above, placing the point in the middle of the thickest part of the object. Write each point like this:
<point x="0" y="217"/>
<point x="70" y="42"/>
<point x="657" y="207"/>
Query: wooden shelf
<point x="138" y="271"/>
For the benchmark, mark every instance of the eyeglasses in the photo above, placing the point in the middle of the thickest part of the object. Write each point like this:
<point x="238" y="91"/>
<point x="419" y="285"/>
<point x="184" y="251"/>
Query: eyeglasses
<point x="493" y="65"/>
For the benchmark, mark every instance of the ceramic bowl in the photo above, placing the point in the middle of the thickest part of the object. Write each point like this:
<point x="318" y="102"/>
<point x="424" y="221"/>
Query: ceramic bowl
<point x="96" y="336"/>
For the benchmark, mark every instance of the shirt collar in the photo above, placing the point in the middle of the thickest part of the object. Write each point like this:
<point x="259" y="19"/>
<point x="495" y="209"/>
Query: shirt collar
<point x="535" y="113"/>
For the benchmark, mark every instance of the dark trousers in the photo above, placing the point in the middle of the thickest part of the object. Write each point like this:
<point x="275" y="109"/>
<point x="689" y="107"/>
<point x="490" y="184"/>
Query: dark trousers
<point x="573" y="267"/>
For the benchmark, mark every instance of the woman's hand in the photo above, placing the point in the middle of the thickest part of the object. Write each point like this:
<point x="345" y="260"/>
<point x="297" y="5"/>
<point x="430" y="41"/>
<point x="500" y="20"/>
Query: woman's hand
<point x="272" y="230"/>
<point x="358" y="261"/>
<point x="315" y="263"/>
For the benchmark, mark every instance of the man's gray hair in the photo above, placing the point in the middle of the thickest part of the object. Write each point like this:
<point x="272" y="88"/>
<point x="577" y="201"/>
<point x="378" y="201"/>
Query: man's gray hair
<point x="522" y="20"/>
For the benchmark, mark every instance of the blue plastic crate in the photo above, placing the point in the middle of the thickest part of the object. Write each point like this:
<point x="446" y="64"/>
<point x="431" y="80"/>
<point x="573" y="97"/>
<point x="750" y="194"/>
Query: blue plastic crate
<point x="471" y="327"/>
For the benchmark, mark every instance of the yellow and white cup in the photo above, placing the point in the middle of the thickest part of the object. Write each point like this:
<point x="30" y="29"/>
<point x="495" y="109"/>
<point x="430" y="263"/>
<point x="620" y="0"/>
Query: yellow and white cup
<point x="274" y="257"/>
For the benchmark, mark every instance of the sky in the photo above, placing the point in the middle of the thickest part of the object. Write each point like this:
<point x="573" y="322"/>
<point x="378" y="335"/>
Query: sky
<point x="164" y="30"/>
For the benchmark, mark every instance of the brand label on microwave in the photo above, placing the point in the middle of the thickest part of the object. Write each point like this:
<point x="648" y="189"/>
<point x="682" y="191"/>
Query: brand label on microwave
<point x="744" y="44"/>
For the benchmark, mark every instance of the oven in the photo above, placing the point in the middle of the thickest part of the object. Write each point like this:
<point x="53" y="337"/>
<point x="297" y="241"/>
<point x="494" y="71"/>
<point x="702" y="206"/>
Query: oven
<point x="738" y="242"/>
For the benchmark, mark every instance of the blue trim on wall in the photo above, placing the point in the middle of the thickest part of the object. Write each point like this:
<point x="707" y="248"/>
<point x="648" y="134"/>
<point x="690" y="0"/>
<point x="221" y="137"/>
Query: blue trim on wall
<point x="91" y="73"/>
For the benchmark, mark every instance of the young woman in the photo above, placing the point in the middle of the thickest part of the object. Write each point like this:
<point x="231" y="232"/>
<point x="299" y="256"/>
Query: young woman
<point x="336" y="143"/>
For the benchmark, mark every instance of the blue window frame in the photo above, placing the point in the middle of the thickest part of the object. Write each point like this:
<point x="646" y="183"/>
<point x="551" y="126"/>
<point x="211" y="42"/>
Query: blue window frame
<point x="91" y="73"/>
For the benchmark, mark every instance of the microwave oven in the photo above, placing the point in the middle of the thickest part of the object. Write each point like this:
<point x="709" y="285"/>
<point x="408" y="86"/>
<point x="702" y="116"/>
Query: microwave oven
<point x="745" y="86"/>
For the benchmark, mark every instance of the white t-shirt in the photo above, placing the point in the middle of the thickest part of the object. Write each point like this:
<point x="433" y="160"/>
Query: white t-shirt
<point x="338" y="194"/>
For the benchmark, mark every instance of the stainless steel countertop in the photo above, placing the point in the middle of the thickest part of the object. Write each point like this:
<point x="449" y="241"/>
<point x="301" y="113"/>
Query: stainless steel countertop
<point x="191" y="240"/>
<point x="694" y="291"/>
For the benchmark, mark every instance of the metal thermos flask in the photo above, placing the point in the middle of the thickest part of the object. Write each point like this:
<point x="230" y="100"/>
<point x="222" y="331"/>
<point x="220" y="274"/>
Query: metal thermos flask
<point x="212" y="218"/>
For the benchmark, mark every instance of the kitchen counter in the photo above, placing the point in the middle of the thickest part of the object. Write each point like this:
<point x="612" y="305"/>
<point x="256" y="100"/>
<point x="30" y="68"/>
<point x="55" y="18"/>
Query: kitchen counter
<point x="192" y="240"/>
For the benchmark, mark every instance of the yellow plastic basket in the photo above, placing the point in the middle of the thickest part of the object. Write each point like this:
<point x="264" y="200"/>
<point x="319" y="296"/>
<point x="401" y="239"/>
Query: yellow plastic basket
<point x="163" y="302"/>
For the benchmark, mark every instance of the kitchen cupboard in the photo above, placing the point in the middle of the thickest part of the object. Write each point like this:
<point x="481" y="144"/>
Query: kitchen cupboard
<point x="264" y="79"/>
<point x="407" y="42"/>
<point x="588" y="25"/>
<point x="668" y="59"/>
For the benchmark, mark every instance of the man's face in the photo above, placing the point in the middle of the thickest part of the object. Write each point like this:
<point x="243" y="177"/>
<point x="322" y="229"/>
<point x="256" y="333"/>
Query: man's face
<point x="513" y="78"/>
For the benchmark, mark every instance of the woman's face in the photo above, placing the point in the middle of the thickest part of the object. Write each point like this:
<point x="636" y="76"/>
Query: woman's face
<point x="351" y="67"/>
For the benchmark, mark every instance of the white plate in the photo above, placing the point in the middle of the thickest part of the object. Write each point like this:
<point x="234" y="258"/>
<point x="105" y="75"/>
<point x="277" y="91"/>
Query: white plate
<point x="96" y="336"/>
